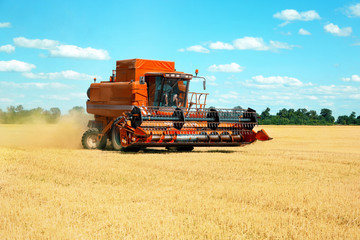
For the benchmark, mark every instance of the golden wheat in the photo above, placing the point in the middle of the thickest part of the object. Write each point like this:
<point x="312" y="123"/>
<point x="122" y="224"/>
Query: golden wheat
<point x="304" y="184"/>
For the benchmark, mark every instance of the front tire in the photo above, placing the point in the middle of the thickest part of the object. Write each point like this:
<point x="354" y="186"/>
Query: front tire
<point x="89" y="139"/>
<point x="116" y="142"/>
<point x="115" y="138"/>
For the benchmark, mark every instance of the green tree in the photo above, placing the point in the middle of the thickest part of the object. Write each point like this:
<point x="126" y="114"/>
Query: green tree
<point x="327" y="115"/>
<point x="352" y="118"/>
<point x="265" y="114"/>
<point x="77" y="110"/>
<point x="53" y="115"/>
<point x="343" y="120"/>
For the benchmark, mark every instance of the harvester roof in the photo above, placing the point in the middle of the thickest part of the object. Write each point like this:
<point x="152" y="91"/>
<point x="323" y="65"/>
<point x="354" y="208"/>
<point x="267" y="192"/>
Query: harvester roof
<point x="133" y="69"/>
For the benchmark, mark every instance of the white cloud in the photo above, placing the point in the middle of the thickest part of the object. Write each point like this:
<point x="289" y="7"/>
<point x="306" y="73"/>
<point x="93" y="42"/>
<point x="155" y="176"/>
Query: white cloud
<point x="15" y="66"/>
<point x="335" y="30"/>
<point x="232" y="67"/>
<point x="221" y="45"/>
<point x="304" y="32"/>
<point x="5" y="25"/>
<point x="250" y="43"/>
<point x="289" y="15"/>
<point x="326" y="103"/>
<point x="355" y="96"/>
<point x="312" y="97"/>
<point x="72" y="51"/>
<point x="245" y="43"/>
<point x="195" y="48"/>
<point x="69" y="74"/>
<point x="7" y="48"/>
<point x="5" y="100"/>
<point x="79" y="95"/>
<point x="211" y="80"/>
<point x="333" y="89"/>
<point x="280" y="45"/>
<point x="35" y="43"/>
<point x="58" y="50"/>
<point x="354" y="10"/>
<point x="38" y="85"/>
<point x="278" y="80"/>
<point x="355" y="78"/>
<point x="258" y="44"/>
<point x="55" y="97"/>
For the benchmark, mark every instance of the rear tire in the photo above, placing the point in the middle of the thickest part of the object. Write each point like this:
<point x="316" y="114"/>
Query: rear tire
<point x="89" y="139"/>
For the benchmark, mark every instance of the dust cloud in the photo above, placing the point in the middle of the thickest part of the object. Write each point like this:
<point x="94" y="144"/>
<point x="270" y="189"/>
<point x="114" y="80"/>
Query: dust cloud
<point x="66" y="133"/>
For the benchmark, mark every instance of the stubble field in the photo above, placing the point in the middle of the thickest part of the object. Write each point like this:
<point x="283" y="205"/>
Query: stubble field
<point x="303" y="184"/>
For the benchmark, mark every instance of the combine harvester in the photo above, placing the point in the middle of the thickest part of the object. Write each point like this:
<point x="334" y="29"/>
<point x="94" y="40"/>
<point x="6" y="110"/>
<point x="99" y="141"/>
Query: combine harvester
<point x="147" y="103"/>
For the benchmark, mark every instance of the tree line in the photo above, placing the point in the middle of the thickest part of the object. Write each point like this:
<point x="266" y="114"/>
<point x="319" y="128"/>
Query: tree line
<point x="19" y="115"/>
<point x="304" y="117"/>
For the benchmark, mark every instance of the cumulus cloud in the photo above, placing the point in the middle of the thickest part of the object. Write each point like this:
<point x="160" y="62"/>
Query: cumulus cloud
<point x="250" y="43"/>
<point x="35" y="43"/>
<point x="58" y="50"/>
<point x="335" y="30"/>
<point x="7" y="48"/>
<point x="38" y="85"/>
<point x="15" y="66"/>
<point x="258" y="44"/>
<point x="355" y="78"/>
<point x="72" y="51"/>
<point x="55" y="97"/>
<point x="289" y="15"/>
<point x="312" y="97"/>
<point x="333" y="89"/>
<point x="273" y="82"/>
<point x="5" y="24"/>
<point x="5" y="100"/>
<point x="221" y="45"/>
<point x="304" y="32"/>
<point x="211" y="80"/>
<point x="195" y="48"/>
<point x="245" y="43"/>
<point x="69" y="74"/>
<point x="280" y="45"/>
<point x="354" y="10"/>
<point x="279" y="80"/>
<point x="232" y="67"/>
<point x="355" y="96"/>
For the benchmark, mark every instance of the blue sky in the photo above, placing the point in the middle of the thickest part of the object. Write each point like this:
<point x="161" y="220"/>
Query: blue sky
<point x="280" y="54"/>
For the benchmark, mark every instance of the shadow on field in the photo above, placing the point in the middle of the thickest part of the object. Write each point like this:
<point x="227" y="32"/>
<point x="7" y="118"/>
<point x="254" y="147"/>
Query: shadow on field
<point x="165" y="151"/>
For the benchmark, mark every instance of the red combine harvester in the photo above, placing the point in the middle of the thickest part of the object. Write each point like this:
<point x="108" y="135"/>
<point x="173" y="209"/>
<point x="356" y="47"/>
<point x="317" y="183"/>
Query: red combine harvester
<point x="147" y="103"/>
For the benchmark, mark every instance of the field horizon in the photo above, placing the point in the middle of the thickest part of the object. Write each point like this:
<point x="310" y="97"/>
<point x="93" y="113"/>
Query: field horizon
<point x="305" y="183"/>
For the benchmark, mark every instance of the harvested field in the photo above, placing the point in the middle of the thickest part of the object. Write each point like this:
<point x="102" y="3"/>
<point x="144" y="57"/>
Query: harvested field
<point x="305" y="183"/>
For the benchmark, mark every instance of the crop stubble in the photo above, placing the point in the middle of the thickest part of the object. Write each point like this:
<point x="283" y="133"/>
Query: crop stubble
<point x="305" y="183"/>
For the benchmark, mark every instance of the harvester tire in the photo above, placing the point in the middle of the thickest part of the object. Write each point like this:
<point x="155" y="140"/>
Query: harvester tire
<point x="115" y="142"/>
<point x="115" y="138"/>
<point x="89" y="139"/>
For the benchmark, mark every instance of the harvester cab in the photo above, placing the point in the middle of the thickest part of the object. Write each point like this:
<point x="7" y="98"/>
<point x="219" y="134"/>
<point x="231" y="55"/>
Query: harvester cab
<point x="170" y="90"/>
<point x="147" y="103"/>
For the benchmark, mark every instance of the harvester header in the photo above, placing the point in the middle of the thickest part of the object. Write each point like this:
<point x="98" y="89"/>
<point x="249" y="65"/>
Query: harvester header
<point x="147" y="103"/>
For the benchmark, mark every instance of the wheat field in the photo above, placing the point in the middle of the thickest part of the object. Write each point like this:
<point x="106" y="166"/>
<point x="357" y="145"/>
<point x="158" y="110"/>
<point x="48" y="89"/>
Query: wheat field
<point x="303" y="184"/>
